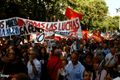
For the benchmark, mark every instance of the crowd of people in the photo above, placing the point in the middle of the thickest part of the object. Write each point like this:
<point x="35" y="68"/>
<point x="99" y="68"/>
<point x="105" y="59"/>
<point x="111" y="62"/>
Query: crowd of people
<point x="91" y="60"/>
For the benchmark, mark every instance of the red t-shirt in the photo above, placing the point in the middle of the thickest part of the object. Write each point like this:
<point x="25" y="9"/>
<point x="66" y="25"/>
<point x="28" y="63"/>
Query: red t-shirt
<point x="54" y="63"/>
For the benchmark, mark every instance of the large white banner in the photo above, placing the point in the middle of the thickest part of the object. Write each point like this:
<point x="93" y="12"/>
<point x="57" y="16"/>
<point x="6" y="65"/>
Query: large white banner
<point x="21" y="26"/>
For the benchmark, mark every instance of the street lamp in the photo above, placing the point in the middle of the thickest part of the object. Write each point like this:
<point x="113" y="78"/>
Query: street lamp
<point x="118" y="11"/>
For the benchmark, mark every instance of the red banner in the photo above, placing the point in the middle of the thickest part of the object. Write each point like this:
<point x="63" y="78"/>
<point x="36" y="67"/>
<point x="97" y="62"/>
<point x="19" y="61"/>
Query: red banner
<point x="85" y="35"/>
<point x="72" y="14"/>
<point x="97" y="36"/>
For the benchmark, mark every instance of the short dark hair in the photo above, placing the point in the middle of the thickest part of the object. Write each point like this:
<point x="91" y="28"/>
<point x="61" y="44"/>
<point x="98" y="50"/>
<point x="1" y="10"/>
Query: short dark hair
<point x="75" y="52"/>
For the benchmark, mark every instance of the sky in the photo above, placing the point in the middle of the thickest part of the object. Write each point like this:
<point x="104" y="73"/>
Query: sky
<point x="112" y="6"/>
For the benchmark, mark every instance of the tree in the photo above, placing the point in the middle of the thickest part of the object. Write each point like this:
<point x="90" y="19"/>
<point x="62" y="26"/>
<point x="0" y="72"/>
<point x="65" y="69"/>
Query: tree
<point x="34" y="9"/>
<point x="55" y="9"/>
<point x="111" y="23"/>
<point x="94" y="11"/>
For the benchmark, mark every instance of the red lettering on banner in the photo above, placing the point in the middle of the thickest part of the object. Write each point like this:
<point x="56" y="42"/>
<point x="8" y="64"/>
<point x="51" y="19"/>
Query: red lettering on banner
<point x="42" y="25"/>
<point x="36" y="24"/>
<point x="30" y="23"/>
<point x="67" y="26"/>
<point x="55" y="27"/>
<point x="77" y="24"/>
<point x="70" y="24"/>
<point x="47" y="27"/>
<point x="74" y="26"/>
<point x="64" y="26"/>
<point x="51" y="27"/>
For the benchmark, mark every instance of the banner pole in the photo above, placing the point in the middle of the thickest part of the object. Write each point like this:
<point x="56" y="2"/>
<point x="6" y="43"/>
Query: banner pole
<point x="10" y="37"/>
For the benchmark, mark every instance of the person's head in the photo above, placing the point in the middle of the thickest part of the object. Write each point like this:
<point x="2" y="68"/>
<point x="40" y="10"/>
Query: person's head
<point x="10" y="48"/>
<point x="87" y="75"/>
<point x="104" y="45"/>
<point x="32" y="54"/>
<point x="20" y="76"/>
<point x="11" y="55"/>
<point x="57" y="52"/>
<point x="112" y="50"/>
<point x="64" y="61"/>
<point x="43" y="50"/>
<point x="74" y="57"/>
<point x="89" y="57"/>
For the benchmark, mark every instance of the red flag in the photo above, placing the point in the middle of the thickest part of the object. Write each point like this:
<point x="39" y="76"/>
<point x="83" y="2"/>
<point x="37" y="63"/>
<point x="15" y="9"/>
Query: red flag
<point x="85" y="35"/>
<point x="97" y="37"/>
<point x="72" y="14"/>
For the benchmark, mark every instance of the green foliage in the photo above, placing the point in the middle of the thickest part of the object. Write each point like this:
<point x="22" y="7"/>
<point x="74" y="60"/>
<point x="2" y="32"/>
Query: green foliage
<point x="34" y="9"/>
<point x="111" y="23"/>
<point x="56" y="9"/>
<point x="94" y="11"/>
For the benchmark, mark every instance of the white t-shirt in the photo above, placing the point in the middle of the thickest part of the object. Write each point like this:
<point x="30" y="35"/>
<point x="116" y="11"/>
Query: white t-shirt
<point x="118" y="78"/>
<point x="38" y="68"/>
<point x="110" y="59"/>
<point x="74" y="72"/>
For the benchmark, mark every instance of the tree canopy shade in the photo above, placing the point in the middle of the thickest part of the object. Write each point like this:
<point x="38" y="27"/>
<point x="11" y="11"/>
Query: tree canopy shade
<point x="94" y="11"/>
<point x="34" y="9"/>
<point x="111" y="23"/>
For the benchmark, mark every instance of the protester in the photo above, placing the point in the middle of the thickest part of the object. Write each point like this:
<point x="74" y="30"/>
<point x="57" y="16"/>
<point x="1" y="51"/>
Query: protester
<point x="106" y="50"/>
<point x="62" y="75"/>
<point x="44" y="59"/>
<point x="20" y="76"/>
<point x="54" y="63"/>
<point x="12" y="63"/>
<point x="74" y="68"/>
<point x="95" y="60"/>
<point x="87" y="75"/>
<point x="117" y="66"/>
<point x="96" y="63"/>
<point x="34" y="66"/>
<point x="108" y="77"/>
<point x="88" y="62"/>
<point x="110" y="60"/>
